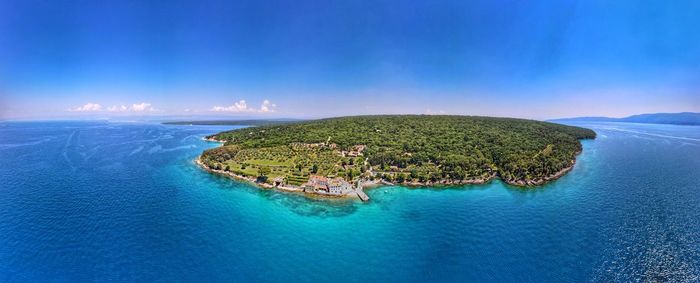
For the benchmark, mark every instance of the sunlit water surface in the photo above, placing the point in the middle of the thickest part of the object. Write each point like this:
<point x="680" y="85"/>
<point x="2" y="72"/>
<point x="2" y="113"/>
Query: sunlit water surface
<point x="99" y="201"/>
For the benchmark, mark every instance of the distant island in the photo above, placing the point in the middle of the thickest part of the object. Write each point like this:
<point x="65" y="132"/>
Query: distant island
<point x="683" y="118"/>
<point x="340" y="156"/>
<point x="246" y="122"/>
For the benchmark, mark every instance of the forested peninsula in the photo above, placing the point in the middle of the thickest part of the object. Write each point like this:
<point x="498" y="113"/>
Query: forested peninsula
<point x="404" y="149"/>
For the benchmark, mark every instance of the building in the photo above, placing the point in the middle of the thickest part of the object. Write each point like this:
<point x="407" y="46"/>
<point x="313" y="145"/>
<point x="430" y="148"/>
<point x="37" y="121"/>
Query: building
<point x="356" y="151"/>
<point x="338" y="186"/>
<point x="316" y="183"/>
<point x="323" y="185"/>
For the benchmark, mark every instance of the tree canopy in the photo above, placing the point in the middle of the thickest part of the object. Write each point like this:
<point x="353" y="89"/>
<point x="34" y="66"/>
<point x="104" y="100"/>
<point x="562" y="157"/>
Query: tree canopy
<point x="416" y="147"/>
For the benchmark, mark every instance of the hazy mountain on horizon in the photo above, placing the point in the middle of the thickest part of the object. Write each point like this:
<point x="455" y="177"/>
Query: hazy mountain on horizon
<point x="682" y="118"/>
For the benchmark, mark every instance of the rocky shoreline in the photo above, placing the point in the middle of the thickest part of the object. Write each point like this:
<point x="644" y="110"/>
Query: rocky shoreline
<point x="212" y="139"/>
<point x="539" y="182"/>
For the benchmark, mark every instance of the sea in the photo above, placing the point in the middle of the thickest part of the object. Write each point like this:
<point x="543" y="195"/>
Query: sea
<point x="109" y="201"/>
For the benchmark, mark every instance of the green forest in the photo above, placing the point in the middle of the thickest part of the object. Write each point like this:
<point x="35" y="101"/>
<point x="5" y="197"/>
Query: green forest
<point x="401" y="148"/>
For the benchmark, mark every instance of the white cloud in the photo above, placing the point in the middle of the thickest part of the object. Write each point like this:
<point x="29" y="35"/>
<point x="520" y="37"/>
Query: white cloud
<point x="115" y="108"/>
<point x="239" y="106"/>
<point x="142" y="107"/>
<point x="242" y="106"/>
<point x="267" y="106"/>
<point x="89" y="107"/>
<point x="94" y="107"/>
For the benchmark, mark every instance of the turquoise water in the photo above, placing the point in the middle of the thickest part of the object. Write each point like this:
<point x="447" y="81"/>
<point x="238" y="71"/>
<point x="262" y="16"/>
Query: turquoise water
<point x="99" y="201"/>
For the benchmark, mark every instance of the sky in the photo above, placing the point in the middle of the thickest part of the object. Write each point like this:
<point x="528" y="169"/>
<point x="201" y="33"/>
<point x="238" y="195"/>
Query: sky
<point x="309" y="59"/>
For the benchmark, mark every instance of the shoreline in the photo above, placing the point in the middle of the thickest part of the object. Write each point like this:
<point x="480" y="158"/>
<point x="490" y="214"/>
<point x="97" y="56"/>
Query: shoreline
<point x="376" y="184"/>
<point x="545" y="180"/>
<point x="266" y="186"/>
<point x="210" y="139"/>
<point x="540" y="182"/>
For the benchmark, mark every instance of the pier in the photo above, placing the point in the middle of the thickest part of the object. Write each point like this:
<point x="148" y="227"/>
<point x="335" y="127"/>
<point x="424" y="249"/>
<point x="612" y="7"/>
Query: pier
<point x="360" y="193"/>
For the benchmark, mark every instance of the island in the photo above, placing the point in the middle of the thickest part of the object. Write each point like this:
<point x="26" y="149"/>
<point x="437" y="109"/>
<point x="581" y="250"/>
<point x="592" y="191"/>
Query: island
<point x="341" y="156"/>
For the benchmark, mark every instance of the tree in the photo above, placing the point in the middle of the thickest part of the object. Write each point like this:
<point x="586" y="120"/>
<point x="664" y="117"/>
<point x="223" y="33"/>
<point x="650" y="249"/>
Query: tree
<point x="349" y="175"/>
<point x="262" y="174"/>
<point x="414" y="173"/>
<point x="264" y="171"/>
<point x="388" y="177"/>
<point x="314" y="169"/>
<point x="400" y="178"/>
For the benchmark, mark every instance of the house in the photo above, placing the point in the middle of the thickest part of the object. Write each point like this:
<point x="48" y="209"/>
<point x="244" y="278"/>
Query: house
<point x="323" y="185"/>
<point x="338" y="186"/>
<point x="316" y="183"/>
<point x="356" y="150"/>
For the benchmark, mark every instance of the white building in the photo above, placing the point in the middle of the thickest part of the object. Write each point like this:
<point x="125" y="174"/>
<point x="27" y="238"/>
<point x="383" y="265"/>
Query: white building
<point x="323" y="185"/>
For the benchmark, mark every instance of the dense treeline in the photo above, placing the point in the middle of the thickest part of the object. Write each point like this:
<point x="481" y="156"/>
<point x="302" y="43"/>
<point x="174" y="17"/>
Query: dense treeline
<point x="429" y="148"/>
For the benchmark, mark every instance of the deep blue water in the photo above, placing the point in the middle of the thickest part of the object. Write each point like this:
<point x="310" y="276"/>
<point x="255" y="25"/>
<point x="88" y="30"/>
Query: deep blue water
<point x="99" y="201"/>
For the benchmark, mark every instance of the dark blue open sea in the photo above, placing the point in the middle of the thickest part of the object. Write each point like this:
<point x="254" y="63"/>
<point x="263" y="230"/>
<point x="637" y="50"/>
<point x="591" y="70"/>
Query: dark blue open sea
<point x="106" y="201"/>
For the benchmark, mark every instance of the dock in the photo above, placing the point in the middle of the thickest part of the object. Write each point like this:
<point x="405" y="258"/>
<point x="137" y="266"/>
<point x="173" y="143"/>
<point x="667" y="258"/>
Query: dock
<point x="360" y="193"/>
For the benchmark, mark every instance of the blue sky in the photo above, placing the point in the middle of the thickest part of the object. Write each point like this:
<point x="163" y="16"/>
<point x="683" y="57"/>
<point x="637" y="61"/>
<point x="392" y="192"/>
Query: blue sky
<point x="531" y="59"/>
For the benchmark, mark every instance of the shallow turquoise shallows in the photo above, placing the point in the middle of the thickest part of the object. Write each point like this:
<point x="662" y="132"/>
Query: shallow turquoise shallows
<point x="99" y="201"/>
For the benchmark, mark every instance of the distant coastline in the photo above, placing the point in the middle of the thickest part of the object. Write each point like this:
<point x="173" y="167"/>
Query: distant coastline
<point x="683" y="118"/>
